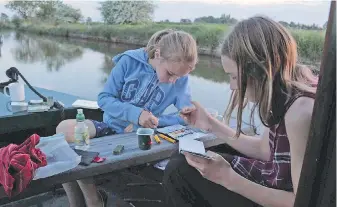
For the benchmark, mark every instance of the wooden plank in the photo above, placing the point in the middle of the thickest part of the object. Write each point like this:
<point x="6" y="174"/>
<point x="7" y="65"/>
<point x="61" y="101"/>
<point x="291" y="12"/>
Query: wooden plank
<point x="317" y="185"/>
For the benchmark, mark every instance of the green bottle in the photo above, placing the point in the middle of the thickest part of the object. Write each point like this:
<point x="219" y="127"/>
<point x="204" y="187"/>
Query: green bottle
<point x="81" y="135"/>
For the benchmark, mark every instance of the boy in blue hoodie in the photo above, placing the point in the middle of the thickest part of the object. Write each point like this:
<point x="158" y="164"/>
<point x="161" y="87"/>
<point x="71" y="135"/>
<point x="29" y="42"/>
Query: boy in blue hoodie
<point x="142" y="84"/>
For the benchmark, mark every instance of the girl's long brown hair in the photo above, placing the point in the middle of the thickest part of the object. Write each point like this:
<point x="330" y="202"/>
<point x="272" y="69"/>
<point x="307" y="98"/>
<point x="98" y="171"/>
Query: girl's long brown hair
<point x="266" y="58"/>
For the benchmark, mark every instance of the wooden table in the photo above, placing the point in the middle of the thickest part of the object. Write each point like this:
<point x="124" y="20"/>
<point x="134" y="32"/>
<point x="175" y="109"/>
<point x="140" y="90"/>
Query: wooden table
<point x="132" y="156"/>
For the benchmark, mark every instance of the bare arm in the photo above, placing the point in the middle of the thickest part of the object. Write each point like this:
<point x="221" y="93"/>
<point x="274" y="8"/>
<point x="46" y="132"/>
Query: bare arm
<point x="254" y="147"/>
<point x="260" y="194"/>
<point x="297" y="122"/>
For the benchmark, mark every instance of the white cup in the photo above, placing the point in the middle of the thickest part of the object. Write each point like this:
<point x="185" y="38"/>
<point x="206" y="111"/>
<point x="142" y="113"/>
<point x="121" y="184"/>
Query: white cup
<point x="16" y="91"/>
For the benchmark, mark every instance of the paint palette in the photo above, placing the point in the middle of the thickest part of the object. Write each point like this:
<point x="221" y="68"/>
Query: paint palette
<point x="177" y="131"/>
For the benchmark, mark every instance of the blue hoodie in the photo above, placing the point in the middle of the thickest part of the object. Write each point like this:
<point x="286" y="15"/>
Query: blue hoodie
<point x="133" y="86"/>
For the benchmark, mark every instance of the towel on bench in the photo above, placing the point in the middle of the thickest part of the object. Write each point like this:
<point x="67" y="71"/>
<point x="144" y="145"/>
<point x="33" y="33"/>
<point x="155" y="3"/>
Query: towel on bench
<point x="18" y="164"/>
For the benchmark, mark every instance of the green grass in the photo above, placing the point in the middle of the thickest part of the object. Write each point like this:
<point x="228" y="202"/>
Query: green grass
<point x="208" y="36"/>
<point x="309" y="44"/>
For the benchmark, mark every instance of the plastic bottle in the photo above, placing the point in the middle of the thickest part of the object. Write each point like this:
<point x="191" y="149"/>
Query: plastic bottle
<point x="82" y="141"/>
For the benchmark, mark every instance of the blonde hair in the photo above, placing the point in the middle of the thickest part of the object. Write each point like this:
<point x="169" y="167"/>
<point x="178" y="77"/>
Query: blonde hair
<point x="177" y="46"/>
<point x="266" y="58"/>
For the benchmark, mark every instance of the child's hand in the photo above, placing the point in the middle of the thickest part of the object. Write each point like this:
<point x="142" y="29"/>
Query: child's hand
<point x="147" y="120"/>
<point x="128" y="128"/>
<point x="217" y="169"/>
<point x="196" y="116"/>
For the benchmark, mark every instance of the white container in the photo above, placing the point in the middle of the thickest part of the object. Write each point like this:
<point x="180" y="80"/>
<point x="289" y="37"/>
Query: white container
<point x="19" y="106"/>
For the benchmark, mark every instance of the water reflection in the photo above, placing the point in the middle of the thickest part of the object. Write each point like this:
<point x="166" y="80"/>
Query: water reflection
<point x="42" y="49"/>
<point x="59" y="51"/>
<point x="83" y="67"/>
<point x="3" y="36"/>
<point x="106" y="67"/>
<point x="210" y="69"/>
<point x="1" y="41"/>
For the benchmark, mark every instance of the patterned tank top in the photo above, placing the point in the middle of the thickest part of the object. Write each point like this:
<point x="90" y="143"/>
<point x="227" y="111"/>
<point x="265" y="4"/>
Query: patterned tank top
<point x="275" y="173"/>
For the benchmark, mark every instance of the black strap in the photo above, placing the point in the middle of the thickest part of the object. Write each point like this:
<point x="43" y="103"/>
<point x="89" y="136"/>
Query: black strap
<point x="295" y="97"/>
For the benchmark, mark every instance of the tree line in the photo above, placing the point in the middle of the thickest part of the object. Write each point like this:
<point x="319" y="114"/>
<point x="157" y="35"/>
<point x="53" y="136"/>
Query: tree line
<point x="113" y="12"/>
<point x="227" y="19"/>
<point x="43" y="10"/>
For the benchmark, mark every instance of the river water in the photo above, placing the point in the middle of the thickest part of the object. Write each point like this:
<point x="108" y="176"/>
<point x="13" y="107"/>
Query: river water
<point x="80" y="67"/>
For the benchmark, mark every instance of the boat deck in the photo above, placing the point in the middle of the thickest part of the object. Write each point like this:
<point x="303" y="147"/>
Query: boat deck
<point x="66" y="99"/>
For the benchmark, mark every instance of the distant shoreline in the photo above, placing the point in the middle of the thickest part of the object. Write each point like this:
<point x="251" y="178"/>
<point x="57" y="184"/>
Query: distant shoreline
<point x="208" y="36"/>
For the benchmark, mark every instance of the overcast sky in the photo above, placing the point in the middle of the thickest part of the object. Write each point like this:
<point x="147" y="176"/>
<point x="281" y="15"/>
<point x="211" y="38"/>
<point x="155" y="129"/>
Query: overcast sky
<point x="306" y="12"/>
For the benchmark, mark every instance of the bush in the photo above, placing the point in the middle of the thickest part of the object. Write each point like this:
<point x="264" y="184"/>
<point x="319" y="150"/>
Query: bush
<point x="16" y="21"/>
<point x="208" y="36"/>
<point x="309" y="44"/>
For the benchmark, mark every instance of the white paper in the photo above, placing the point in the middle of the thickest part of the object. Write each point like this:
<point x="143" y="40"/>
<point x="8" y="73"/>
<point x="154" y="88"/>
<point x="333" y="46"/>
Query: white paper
<point x="193" y="146"/>
<point x="60" y="157"/>
<point x="86" y="104"/>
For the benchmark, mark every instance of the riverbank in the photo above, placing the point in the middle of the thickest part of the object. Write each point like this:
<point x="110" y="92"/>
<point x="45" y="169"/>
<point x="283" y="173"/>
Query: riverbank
<point x="208" y="36"/>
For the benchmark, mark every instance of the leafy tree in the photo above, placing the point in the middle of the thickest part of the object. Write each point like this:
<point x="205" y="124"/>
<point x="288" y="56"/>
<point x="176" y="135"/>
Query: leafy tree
<point x="47" y="9"/>
<point x="126" y="12"/>
<point x="227" y="19"/>
<point x="301" y="26"/>
<point x="284" y="23"/>
<point x="89" y="20"/>
<point x="68" y="13"/>
<point x="16" y="21"/>
<point x="24" y="9"/>
<point x="223" y="19"/>
<point x="208" y="19"/>
<point x="186" y="21"/>
<point x="4" y="17"/>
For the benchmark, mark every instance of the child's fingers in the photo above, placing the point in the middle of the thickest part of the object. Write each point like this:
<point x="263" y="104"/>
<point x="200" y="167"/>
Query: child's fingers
<point x="148" y="124"/>
<point x="185" y="118"/>
<point x="196" y="104"/>
<point x="128" y="128"/>
<point x="187" y="110"/>
<point x="154" y="120"/>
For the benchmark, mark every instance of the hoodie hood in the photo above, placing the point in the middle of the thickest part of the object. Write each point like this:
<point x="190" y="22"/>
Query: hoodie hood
<point x="139" y="55"/>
